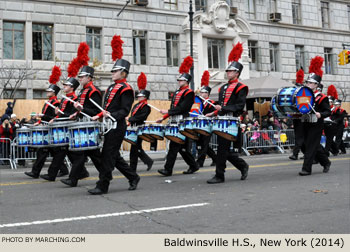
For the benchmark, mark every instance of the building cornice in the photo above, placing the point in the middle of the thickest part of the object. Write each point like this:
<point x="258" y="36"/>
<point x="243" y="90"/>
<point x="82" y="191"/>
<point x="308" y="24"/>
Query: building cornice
<point x="300" y="28"/>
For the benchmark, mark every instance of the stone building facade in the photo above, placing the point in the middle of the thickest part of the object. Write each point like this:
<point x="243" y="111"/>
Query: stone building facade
<point x="279" y="37"/>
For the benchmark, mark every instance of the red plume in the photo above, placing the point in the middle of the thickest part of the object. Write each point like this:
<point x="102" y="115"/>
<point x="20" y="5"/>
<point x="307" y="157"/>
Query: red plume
<point x="186" y="65"/>
<point x="300" y="76"/>
<point x="316" y="66"/>
<point x="73" y="67"/>
<point x="142" y="81"/>
<point x="205" y="79"/>
<point x="117" y="49"/>
<point x="332" y="91"/>
<point x="55" y="75"/>
<point x="83" y="54"/>
<point x="236" y="52"/>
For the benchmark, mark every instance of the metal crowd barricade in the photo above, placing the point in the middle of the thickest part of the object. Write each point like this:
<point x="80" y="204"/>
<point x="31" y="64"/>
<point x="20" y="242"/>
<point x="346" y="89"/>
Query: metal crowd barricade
<point x="286" y="138"/>
<point x="214" y="142"/>
<point x="6" y="154"/>
<point x="261" y="139"/>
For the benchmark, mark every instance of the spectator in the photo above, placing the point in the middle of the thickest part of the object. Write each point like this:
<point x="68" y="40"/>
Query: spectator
<point x="33" y="118"/>
<point x="9" y="109"/>
<point x="246" y="120"/>
<point x="6" y="132"/>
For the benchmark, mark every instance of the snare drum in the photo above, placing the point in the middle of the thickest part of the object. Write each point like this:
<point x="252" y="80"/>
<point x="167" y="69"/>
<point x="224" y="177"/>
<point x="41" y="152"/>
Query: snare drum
<point x="59" y="133"/>
<point x="173" y="134"/>
<point x="226" y="127"/>
<point x="202" y="125"/>
<point x="186" y="128"/>
<point x="84" y="136"/>
<point x="23" y="136"/>
<point x="295" y="100"/>
<point x="143" y="132"/>
<point x="40" y="136"/>
<point x="157" y="131"/>
<point x="131" y="135"/>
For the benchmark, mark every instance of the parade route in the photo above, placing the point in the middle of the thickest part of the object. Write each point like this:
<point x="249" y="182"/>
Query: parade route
<point x="274" y="199"/>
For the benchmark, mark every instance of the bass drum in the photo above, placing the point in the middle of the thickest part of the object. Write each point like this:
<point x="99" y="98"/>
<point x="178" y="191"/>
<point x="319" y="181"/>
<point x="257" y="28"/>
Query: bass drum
<point x="275" y="111"/>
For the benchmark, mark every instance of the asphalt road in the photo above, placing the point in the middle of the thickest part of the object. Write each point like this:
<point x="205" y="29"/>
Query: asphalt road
<point x="274" y="199"/>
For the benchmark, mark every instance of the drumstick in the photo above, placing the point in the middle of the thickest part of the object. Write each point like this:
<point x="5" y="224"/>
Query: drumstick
<point x="206" y="101"/>
<point x="52" y="106"/>
<point x="99" y="107"/>
<point x="150" y="121"/>
<point x="153" y="107"/>
<point x="69" y="99"/>
<point x="311" y="107"/>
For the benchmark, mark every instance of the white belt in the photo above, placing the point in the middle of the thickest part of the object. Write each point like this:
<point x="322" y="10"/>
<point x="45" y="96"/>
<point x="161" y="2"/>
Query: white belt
<point x="309" y="118"/>
<point x="176" y="118"/>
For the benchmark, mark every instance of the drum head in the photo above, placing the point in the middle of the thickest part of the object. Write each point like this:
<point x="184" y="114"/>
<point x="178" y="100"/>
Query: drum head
<point x="190" y="135"/>
<point x="304" y="99"/>
<point x="129" y="141"/>
<point x="147" y="138"/>
<point x="202" y="132"/>
<point x="157" y="137"/>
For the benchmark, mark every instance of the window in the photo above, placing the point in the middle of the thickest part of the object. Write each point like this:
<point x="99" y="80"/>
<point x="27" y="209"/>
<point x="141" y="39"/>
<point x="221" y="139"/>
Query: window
<point x="140" y="46"/>
<point x="13" y="38"/>
<point x="216" y="54"/>
<point x="250" y="9"/>
<point x="299" y="57"/>
<point x="42" y="42"/>
<point x="296" y="12"/>
<point x="328" y="61"/>
<point x="170" y="4"/>
<point x="201" y="5"/>
<point x="253" y="52"/>
<point x="39" y="94"/>
<point x="274" y="57"/>
<point x="325" y="14"/>
<point x="349" y="15"/>
<point x="93" y="39"/>
<point x="172" y="49"/>
<point x="273" y="6"/>
<point x="11" y="94"/>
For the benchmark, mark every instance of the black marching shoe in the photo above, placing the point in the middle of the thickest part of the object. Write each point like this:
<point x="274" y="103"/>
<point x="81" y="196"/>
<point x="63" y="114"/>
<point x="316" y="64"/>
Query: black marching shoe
<point x="62" y="174"/>
<point x="165" y="172"/>
<point x="326" y="167"/>
<point x="245" y="172"/>
<point x="97" y="191"/>
<point x="47" y="177"/>
<point x="31" y="174"/>
<point x="293" y="157"/>
<point x="191" y="170"/>
<point x="133" y="184"/>
<point x="215" y="180"/>
<point x="69" y="182"/>
<point x="199" y="165"/>
<point x="149" y="166"/>
<point x="343" y="152"/>
<point x="85" y="175"/>
<point x="304" y="173"/>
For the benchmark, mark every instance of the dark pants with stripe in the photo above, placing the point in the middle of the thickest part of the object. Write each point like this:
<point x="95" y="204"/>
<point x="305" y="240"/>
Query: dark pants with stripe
<point x="111" y="158"/>
<point x="184" y="150"/>
<point x="330" y="131"/>
<point x="312" y="147"/>
<point x="204" y="149"/>
<point x="41" y="156"/>
<point x="225" y="154"/>
<point x="137" y="152"/>
<point x="299" y="136"/>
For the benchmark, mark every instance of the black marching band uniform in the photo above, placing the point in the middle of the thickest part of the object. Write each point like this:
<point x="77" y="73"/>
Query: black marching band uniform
<point x="180" y="107"/>
<point x="203" y="141"/>
<point x="42" y="153"/>
<point x="118" y="101"/>
<point x="338" y="117"/>
<point x="77" y="159"/>
<point x="330" y="129"/>
<point x="89" y="91"/>
<point x="139" y="114"/>
<point x="232" y="99"/>
<point x="313" y="131"/>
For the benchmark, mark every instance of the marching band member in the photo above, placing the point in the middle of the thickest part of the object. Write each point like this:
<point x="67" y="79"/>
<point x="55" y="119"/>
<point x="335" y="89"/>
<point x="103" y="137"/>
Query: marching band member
<point x="139" y="114"/>
<point x="117" y="104"/>
<point x="48" y="113"/>
<point x="232" y="99"/>
<point x="76" y="157"/>
<point x="298" y="130"/>
<point x="330" y="128"/>
<point x="203" y="141"/>
<point x="180" y="107"/>
<point x="313" y="128"/>
<point x="89" y="91"/>
<point x="339" y="120"/>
